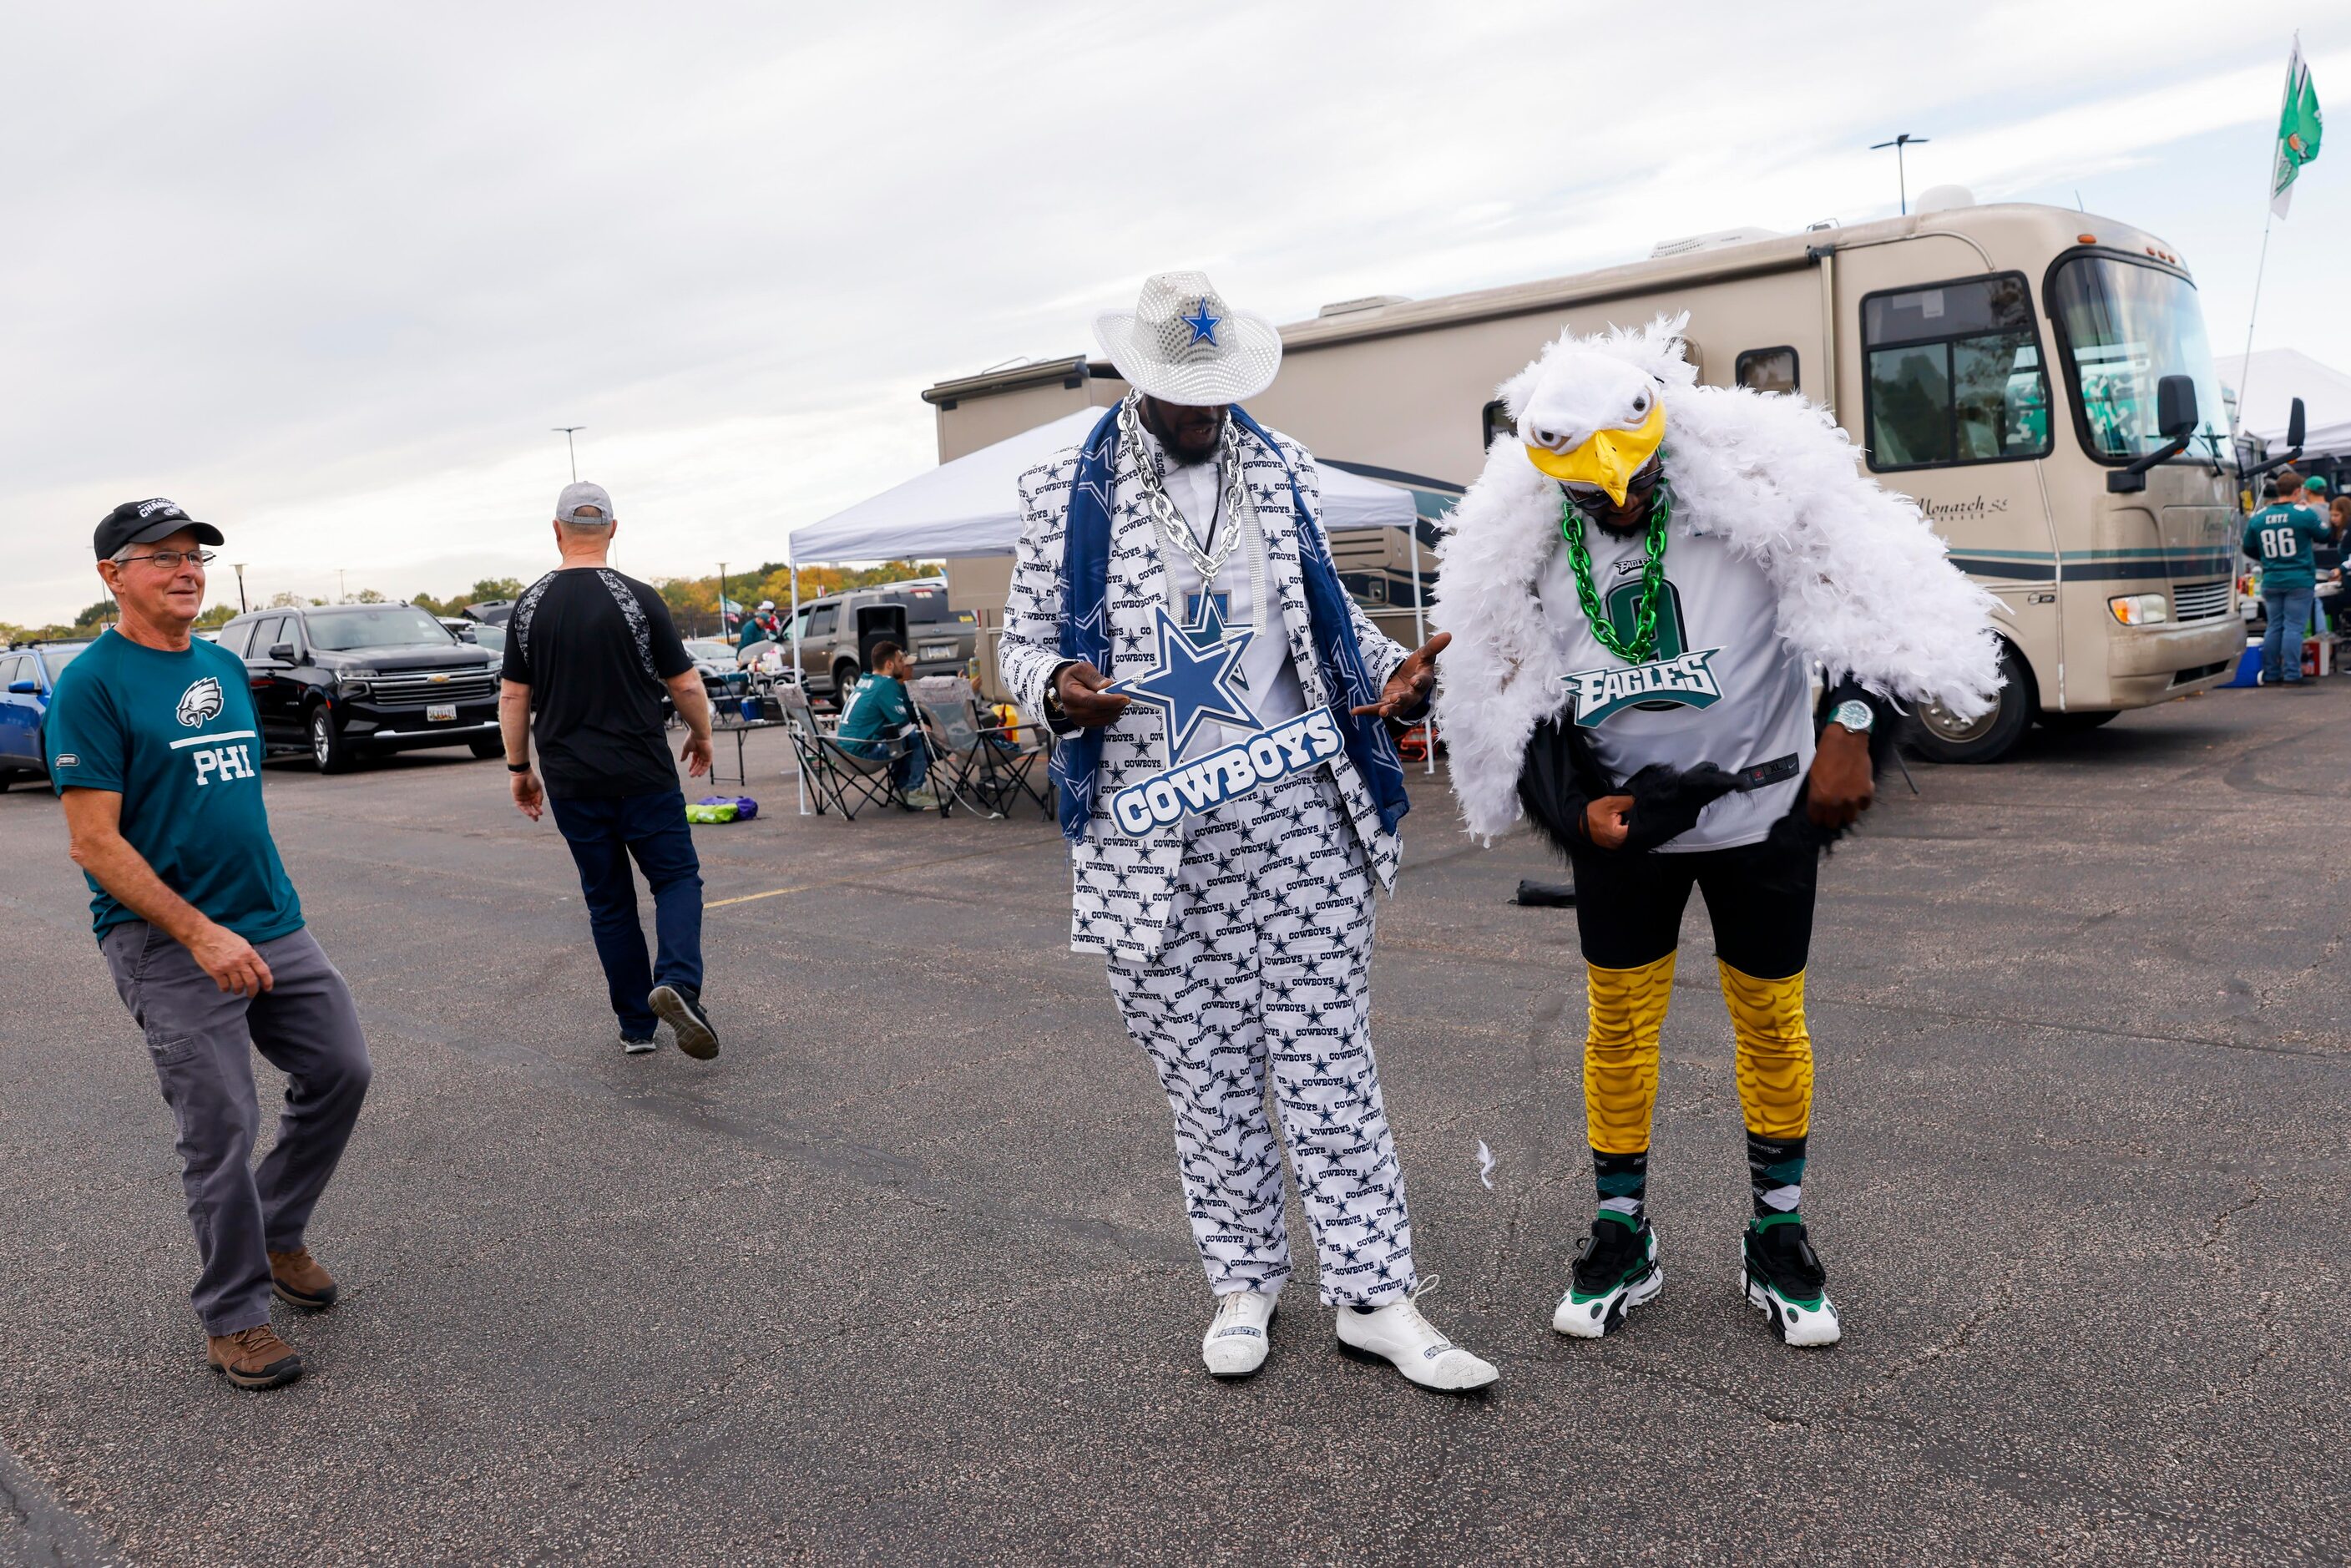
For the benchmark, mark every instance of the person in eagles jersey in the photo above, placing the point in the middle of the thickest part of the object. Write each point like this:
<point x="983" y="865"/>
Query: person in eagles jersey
<point x="1641" y="585"/>
<point x="1174" y="613"/>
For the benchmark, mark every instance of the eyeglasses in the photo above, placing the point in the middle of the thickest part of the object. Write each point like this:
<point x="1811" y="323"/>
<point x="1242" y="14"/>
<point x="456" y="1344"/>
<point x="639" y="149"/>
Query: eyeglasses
<point x="170" y="560"/>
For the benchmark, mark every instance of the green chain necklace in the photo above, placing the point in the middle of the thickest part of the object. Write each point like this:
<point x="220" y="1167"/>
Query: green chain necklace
<point x="1643" y="644"/>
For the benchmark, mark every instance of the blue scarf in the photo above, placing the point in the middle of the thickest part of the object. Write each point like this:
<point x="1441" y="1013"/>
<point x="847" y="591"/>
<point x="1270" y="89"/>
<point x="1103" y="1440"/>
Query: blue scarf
<point x="1085" y="630"/>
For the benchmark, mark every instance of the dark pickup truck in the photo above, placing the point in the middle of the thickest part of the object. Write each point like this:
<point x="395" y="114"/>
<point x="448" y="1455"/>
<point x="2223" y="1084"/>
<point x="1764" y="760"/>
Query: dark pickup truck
<point x="339" y="681"/>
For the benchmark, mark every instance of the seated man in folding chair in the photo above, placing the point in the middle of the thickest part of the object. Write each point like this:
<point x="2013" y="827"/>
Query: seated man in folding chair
<point x="879" y="715"/>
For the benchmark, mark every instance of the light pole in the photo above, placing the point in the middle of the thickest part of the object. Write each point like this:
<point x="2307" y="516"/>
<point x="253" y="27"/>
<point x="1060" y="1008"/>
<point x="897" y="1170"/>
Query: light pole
<point x="722" y="600"/>
<point x="1901" y="176"/>
<point x="240" y="585"/>
<point x="573" y="453"/>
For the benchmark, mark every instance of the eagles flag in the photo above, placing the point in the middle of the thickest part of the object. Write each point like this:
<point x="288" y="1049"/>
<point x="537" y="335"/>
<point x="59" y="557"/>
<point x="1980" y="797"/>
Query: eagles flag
<point x="2298" y="129"/>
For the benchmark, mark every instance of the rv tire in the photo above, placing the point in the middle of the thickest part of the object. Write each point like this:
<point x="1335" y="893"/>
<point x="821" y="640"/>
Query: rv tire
<point x="1939" y="737"/>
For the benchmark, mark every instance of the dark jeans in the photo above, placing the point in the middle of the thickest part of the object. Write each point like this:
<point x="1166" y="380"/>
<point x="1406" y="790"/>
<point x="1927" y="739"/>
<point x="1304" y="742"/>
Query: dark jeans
<point x="603" y="835"/>
<point x="201" y="1039"/>
<point x="1628" y="906"/>
<point x="2288" y="610"/>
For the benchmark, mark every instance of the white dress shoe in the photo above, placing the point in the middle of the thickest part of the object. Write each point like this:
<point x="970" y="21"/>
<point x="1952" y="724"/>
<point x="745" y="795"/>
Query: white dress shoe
<point x="1236" y="1342"/>
<point x="1398" y="1334"/>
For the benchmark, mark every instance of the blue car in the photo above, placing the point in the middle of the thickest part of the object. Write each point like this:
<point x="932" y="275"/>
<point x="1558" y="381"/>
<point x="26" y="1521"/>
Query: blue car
<point x="28" y="676"/>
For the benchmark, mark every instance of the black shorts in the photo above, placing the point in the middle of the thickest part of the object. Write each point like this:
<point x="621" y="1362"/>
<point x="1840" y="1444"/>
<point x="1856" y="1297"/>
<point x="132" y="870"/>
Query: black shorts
<point x="1628" y="907"/>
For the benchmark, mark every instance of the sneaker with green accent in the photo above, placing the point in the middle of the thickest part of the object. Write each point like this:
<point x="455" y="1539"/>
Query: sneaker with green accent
<point x="1784" y="1281"/>
<point x="1616" y="1270"/>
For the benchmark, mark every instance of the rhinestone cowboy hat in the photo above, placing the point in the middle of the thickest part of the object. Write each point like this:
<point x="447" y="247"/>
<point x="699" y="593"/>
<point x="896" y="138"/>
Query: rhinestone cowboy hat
<point x="1182" y="344"/>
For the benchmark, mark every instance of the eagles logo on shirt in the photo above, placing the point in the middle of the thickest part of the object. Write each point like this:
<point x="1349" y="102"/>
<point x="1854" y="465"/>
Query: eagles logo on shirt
<point x="199" y="702"/>
<point x="1677" y="677"/>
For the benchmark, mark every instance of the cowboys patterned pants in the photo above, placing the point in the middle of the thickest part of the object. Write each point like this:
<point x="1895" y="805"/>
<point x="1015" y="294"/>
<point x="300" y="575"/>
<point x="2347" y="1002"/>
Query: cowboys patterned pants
<point x="1268" y="963"/>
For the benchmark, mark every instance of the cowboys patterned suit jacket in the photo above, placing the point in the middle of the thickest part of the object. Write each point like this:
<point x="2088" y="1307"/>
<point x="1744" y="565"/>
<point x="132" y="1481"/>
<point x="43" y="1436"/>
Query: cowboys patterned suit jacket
<point x="1120" y="886"/>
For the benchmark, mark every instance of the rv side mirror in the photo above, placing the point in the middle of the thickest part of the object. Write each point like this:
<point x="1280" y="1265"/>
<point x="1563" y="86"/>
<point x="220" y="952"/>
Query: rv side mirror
<point x="2175" y="407"/>
<point x="2297" y="423"/>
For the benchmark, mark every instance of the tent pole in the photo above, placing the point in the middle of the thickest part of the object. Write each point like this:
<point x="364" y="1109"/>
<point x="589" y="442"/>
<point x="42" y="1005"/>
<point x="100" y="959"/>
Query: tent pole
<point x="1420" y="630"/>
<point x="799" y="779"/>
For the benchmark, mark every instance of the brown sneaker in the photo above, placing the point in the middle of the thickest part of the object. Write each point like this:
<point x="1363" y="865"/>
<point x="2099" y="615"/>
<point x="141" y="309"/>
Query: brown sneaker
<point x="299" y="1282"/>
<point x="253" y="1358"/>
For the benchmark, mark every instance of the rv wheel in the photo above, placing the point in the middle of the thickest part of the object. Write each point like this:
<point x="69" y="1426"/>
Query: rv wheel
<point x="1940" y="735"/>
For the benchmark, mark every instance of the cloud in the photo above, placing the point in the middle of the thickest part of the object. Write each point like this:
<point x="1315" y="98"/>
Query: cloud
<point x="328" y="277"/>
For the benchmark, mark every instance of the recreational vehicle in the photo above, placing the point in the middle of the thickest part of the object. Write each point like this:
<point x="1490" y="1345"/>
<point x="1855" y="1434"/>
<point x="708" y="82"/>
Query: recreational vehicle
<point x="2038" y="379"/>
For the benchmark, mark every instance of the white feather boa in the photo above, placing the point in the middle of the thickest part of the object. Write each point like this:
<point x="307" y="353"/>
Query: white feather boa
<point x="1862" y="582"/>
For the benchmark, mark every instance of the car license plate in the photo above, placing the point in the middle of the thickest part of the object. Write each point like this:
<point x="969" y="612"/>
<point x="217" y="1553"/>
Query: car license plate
<point x="440" y="713"/>
<point x="939" y="650"/>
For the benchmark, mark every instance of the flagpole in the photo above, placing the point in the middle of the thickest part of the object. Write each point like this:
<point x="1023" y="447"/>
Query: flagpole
<point x="2245" y="366"/>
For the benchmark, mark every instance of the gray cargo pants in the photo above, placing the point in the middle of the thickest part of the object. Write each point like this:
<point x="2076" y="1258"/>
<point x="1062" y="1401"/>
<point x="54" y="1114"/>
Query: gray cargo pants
<point x="201" y="1039"/>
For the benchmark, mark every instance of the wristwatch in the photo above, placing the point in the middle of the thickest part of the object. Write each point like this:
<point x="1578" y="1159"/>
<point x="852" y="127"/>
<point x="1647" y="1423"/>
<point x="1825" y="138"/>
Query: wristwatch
<point x="1853" y="714"/>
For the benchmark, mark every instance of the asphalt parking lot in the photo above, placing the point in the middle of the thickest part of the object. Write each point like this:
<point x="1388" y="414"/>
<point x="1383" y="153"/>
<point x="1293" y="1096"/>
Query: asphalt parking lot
<point x="902" y="1276"/>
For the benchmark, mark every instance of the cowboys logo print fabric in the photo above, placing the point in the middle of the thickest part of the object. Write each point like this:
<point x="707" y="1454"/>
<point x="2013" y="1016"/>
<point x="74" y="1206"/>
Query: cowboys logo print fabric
<point x="1266" y="971"/>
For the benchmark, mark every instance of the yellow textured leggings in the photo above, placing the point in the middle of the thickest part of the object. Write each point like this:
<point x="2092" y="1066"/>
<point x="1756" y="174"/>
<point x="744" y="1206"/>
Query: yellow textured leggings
<point x="1620" y="1053"/>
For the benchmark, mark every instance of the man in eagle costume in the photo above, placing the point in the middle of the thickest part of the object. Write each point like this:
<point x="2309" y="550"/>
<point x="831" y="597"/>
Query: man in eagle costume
<point x="1642" y="586"/>
<point x="1231" y="798"/>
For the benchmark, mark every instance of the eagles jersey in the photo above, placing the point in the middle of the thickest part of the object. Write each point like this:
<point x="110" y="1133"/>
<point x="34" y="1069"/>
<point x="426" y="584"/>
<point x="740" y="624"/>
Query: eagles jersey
<point x="1721" y="688"/>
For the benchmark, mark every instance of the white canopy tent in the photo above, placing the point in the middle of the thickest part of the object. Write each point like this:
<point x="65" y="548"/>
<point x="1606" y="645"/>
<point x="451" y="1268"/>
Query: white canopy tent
<point x="2268" y="381"/>
<point x="966" y="508"/>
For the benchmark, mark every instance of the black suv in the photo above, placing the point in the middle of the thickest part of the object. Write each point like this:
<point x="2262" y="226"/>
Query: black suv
<point x="338" y="681"/>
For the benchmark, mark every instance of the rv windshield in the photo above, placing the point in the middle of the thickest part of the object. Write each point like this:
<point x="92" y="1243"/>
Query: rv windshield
<point x="2126" y="327"/>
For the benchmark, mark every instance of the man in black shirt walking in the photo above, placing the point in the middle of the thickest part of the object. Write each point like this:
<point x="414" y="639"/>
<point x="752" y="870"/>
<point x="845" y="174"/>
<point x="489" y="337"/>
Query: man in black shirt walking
<point x="588" y="654"/>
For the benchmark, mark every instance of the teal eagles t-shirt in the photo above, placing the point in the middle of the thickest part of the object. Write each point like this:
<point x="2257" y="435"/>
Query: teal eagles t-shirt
<point x="879" y="711"/>
<point x="176" y="736"/>
<point x="2280" y="537"/>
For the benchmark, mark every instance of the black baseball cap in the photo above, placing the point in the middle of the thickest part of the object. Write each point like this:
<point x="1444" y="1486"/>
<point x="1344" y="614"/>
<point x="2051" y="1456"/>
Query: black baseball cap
<point x="144" y="522"/>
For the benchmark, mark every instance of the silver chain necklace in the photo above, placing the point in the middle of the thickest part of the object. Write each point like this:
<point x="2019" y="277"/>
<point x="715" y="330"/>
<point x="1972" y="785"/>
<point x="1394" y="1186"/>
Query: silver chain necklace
<point x="1171" y="524"/>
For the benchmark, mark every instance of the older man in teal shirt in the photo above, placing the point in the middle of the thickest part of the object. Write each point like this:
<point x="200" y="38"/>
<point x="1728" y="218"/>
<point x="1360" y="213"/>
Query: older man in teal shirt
<point x="2282" y="537"/>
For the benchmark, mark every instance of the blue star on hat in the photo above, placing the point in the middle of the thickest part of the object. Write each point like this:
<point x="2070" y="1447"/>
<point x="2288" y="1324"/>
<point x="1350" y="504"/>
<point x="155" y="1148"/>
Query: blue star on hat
<point x="1191" y="683"/>
<point x="1203" y="322"/>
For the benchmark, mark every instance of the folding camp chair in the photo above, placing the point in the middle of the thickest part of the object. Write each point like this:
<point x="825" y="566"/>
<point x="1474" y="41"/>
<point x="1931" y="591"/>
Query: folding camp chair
<point x="983" y="763"/>
<point x="835" y="775"/>
<point x="951" y="730"/>
<point x="1017" y="757"/>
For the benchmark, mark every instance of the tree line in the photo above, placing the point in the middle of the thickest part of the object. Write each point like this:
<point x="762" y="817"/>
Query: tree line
<point x="692" y="600"/>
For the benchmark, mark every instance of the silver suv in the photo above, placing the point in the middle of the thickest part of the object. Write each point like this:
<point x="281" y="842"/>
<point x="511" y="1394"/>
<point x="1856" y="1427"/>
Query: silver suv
<point x="837" y="634"/>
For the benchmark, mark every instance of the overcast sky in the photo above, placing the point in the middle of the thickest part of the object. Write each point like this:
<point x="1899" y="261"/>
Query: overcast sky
<point x="328" y="276"/>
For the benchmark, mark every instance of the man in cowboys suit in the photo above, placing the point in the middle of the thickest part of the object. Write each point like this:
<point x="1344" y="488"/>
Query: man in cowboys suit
<point x="1175" y="610"/>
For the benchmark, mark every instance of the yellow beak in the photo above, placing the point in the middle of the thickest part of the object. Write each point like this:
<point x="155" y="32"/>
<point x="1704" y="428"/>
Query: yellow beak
<point x="1609" y="459"/>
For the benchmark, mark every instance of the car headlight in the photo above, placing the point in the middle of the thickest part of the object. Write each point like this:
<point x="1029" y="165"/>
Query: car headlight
<point x="354" y="683"/>
<point x="2139" y="609"/>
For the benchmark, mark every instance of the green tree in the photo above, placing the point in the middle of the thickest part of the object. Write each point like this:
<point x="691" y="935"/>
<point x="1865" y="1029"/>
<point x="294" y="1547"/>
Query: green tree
<point x="369" y="596"/>
<point x="97" y="614"/>
<point x="495" y="587"/>
<point x="218" y="615"/>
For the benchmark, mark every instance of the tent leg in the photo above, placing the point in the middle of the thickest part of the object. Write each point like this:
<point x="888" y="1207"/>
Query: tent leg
<point x="799" y="779"/>
<point x="1420" y="630"/>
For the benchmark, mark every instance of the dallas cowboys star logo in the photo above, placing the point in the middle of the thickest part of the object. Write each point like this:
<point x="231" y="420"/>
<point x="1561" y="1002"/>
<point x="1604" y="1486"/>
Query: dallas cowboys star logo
<point x="1191" y="683"/>
<point x="1203" y="322"/>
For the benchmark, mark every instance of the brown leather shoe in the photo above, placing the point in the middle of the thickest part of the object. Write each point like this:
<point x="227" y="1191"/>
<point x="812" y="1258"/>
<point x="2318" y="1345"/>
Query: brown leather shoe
<point x="299" y="1282"/>
<point x="253" y="1358"/>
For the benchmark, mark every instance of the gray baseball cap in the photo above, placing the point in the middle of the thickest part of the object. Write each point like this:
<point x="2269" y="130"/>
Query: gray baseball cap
<point x="584" y="505"/>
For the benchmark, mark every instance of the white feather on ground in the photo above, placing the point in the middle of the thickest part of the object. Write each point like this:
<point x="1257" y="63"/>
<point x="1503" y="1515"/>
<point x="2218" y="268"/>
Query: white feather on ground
<point x="1861" y="579"/>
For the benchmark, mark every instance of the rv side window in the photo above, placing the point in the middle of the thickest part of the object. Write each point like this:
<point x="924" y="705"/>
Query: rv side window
<point x="1955" y="374"/>
<point x="1767" y="370"/>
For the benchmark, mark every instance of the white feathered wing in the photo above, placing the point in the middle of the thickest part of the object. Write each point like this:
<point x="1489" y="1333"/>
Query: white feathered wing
<point x="1862" y="583"/>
